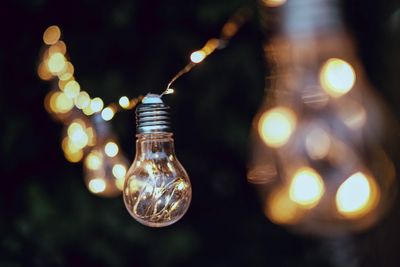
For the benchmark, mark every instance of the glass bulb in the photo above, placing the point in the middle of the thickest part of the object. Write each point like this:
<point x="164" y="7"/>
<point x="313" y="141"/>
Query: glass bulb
<point x="318" y="156"/>
<point x="157" y="190"/>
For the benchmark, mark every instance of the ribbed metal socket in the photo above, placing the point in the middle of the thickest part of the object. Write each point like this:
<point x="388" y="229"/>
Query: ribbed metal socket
<point x="153" y="118"/>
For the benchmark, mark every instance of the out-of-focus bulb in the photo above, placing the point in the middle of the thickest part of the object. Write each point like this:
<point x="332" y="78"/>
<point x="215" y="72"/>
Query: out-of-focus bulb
<point x="157" y="190"/>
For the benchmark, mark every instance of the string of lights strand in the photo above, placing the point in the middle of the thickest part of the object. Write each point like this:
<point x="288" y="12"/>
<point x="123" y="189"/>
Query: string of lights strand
<point x="87" y="134"/>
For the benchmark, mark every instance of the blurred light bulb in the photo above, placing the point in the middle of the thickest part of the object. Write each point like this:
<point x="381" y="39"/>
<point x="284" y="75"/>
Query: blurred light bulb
<point x="157" y="191"/>
<point x="320" y="113"/>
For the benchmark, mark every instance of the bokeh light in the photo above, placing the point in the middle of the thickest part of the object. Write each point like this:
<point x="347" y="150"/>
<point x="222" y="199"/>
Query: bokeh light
<point x="198" y="56"/>
<point x="107" y="113"/>
<point x="93" y="160"/>
<point x="96" y="104"/>
<point x="111" y="149"/>
<point x="281" y="209"/>
<point x="306" y="188"/>
<point x="51" y="35"/>
<point x="276" y="126"/>
<point x="97" y="185"/>
<point x="56" y="63"/>
<point x="317" y="143"/>
<point x="357" y="196"/>
<point x="82" y="100"/>
<point x="72" y="89"/>
<point x="337" y="77"/>
<point x="124" y="102"/>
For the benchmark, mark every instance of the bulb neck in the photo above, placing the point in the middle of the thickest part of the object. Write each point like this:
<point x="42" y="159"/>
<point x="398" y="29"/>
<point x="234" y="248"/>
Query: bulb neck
<point x="152" y="116"/>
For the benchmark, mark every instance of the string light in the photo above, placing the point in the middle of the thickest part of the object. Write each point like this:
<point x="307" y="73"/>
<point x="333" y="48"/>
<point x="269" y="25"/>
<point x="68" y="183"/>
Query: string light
<point x="229" y="29"/>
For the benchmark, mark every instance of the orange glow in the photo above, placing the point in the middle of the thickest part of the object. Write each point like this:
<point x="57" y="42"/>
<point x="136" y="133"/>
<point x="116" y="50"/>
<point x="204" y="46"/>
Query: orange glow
<point x="229" y="29"/>
<point x="337" y="77"/>
<point x="43" y="72"/>
<point x="124" y="102"/>
<point x="197" y="56"/>
<point x="111" y="149"/>
<point x="281" y="209"/>
<point x="96" y="104"/>
<point x="357" y="196"/>
<point x="107" y="113"/>
<point x="97" y="185"/>
<point x="51" y="35"/>
<point x="74" y="156"/>
<point x="317" y="143"/>
<point x="56" y="63"/>
<point x="72" y="89"/>
<point x="276" y="126"/>
<point x="274" y="3"/>
<point x="59" y="47"/>
<point x="211" y="45"/>
<point x="306" y="188"/>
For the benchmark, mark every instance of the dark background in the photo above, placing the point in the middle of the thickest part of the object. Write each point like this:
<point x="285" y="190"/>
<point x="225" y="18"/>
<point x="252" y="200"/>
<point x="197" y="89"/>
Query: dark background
<point x="131" y="47"/>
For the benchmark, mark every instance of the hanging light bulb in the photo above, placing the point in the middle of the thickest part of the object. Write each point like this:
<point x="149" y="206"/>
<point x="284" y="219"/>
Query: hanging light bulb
<point x="319" y="160"/>
<point x="105" y="166"/>
<point x="157" y="190"/>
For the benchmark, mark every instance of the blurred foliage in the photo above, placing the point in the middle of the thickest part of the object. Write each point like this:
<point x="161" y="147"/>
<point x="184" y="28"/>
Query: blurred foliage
<point x="129" y="48"/>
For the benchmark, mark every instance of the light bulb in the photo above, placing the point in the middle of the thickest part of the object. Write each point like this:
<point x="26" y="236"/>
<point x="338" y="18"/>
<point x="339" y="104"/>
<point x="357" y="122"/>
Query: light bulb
<point x="105" y="166"/>
<point x="157" y="190"/>
<point x="318" y="157"/>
